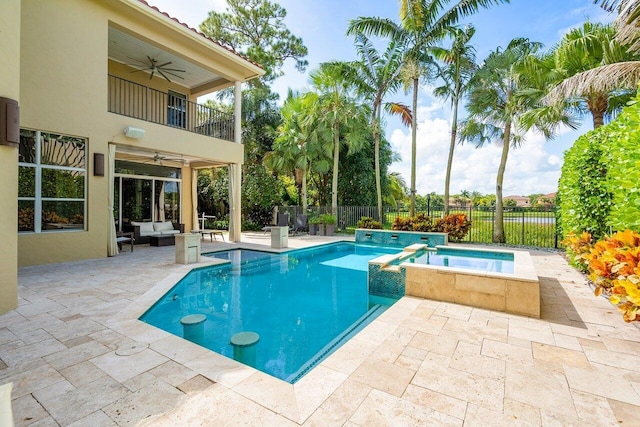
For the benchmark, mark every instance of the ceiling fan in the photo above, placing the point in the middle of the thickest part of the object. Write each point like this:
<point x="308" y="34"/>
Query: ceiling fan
<point x="156" y="159"/>
<point x="152" y="65"/>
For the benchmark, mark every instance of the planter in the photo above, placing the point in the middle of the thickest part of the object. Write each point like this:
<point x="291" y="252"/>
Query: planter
<point x="330" y="229"/>
<point x="321" y="230"/>
<point x="313" y="229"/>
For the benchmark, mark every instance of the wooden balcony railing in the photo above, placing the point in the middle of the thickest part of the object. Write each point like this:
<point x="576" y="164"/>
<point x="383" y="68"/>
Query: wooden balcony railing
<point x="141" y="102"/>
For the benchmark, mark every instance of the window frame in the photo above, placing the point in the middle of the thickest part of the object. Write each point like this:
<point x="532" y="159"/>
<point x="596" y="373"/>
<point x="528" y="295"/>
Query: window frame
<point x="38" y="199"/>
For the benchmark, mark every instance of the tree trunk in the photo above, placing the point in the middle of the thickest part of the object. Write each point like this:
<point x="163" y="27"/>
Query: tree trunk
<point x="597" y="105"/>
<point x="414" y="130"/>
<point x="498" y="229"/>
<point x="598" y="119"/>
<point x="452" y="146"/>
<point x="376" y="141"/>
<point x="336" y="160"/>
<point x="304" y="192"/>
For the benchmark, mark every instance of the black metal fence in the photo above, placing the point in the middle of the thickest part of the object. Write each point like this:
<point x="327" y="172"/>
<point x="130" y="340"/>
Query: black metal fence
<point x="530" y="226"/>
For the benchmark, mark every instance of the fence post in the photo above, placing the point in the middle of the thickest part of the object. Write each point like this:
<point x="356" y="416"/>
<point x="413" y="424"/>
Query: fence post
<point x="522" y="227"/>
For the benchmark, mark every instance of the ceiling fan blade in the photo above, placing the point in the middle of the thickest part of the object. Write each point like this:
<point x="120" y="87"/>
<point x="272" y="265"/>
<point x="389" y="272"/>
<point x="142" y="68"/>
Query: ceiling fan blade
<point x="164" y="65"/>
<point x="170" y="73"/>
<point x="152" y="72"/>
<point x="173" y="69"/>
<point x="163" y="75"/>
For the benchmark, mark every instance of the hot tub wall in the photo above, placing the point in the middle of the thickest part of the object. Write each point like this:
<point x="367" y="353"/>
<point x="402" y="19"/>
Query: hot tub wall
<point x="399" y="238"/>
<point x="517" y="294"/>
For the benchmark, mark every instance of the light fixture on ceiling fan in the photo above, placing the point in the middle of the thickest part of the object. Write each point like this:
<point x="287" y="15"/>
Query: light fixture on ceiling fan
<point x="152" y="65"/>
<point x="157" y="159"/>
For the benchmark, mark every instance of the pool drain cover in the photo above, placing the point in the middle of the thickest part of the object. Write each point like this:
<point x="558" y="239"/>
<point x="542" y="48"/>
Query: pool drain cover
<point x="131" y="349"/>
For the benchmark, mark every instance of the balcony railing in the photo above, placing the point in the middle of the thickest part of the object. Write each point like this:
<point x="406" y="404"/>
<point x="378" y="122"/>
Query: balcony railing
<point x="141" y="102"/>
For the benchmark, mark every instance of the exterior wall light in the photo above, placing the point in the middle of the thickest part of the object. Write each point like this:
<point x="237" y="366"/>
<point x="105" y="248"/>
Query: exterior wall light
<point x="134" y="132"/>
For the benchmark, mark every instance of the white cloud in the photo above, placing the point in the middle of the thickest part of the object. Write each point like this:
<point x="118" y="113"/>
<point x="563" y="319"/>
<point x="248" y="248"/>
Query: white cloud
<point x="530" y="168"/>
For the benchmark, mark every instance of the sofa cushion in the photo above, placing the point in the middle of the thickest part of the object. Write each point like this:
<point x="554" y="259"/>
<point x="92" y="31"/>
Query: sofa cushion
<point x="167" y="232"/>
<point x="163" y="226"/>
<point x="146" y="229"/>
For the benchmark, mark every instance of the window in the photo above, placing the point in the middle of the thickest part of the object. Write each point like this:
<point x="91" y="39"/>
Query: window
<point x="177" y="109"/>
<point x="51" y="182"/>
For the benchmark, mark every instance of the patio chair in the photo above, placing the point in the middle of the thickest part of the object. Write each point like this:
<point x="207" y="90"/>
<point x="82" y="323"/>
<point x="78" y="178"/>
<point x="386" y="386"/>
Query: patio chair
<point x="283" y="221"/>
<point x="300" y="225"/>
<point x="125" y="237"/>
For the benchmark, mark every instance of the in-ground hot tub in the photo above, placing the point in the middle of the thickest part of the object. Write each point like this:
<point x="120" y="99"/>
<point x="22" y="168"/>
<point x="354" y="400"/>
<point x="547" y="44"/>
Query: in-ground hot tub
<point x="498" y="280"/>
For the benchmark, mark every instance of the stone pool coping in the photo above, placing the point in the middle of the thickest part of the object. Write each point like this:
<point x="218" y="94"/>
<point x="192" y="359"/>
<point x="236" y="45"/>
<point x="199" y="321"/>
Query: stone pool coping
<point x="421" y="362"/>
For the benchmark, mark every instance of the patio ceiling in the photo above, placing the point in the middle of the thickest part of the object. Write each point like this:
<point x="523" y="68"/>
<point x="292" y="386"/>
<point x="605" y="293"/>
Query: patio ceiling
<point x="164" y="158"/>
<point x="135" y="52"/>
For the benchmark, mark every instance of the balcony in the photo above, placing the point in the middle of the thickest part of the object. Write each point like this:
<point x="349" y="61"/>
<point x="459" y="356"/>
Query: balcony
<point x="141" y="102"/>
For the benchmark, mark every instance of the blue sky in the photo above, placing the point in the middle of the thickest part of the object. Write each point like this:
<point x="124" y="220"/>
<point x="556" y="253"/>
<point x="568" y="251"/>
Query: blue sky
<point x="532" y="168"/>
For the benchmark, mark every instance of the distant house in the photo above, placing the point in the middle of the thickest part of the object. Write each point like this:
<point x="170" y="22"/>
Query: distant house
<point x="547" y="199"/>
<point x="521" y="201"/>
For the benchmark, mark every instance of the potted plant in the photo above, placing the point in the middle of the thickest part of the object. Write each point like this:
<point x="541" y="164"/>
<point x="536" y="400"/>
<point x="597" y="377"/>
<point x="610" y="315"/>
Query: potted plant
<point x="329" y="222"/>
<point x="314" y="222"/>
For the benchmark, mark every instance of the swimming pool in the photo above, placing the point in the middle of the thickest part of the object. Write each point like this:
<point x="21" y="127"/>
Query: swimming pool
<point x="303" y="304"/>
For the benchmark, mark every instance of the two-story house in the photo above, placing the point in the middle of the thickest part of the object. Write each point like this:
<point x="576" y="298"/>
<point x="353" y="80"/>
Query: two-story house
<point x="110" y="130"/>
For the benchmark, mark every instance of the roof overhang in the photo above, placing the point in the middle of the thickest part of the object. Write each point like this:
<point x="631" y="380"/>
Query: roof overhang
<point x="148" y="33"/>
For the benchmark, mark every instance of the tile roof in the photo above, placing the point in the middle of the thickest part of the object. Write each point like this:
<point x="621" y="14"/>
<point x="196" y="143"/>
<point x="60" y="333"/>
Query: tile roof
<point x="199" y="33"/>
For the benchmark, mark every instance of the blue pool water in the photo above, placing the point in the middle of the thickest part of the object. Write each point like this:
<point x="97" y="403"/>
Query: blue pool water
<point x="496" y="262"/>
<point x="303" y="304"/>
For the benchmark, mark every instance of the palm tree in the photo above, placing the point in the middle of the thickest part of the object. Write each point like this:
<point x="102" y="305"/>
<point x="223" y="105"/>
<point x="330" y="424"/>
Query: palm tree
<point x="627" y="22"/>
<point x="397" y="191"/>
<point x="338" y="109"/>
<point x="592" y="47"/>
<point x="500" y="93"/>
<point x="459" y="63"/>
<point x="297" y="147"/>
<point x="374" y="76"/>
<point x="423" y="23"/>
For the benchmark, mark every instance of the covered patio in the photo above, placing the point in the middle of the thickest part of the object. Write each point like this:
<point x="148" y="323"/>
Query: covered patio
<point x="77" y="356"/>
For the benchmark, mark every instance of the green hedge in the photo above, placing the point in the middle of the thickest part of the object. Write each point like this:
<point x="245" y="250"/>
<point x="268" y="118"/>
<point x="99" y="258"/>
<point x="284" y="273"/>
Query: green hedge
<point x="599" y="188"/>
<point x="584" y="199"/>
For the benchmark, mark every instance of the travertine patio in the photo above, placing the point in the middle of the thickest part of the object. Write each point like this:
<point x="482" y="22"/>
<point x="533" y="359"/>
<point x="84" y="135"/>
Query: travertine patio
<point x="77" y="356"/>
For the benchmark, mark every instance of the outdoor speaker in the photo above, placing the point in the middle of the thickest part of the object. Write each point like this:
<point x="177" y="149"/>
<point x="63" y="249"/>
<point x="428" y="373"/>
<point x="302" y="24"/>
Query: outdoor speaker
<point x="98" y="164"/>
<point x="9" y="122"/>
<point x="133" y="132"/>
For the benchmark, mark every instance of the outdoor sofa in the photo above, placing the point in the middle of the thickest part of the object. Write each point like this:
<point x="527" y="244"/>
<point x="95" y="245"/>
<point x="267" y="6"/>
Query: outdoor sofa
<point x="142" y="231"/>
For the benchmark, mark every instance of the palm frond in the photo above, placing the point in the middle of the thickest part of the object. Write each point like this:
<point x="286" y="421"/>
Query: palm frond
<point x="399" y="109"/>
<point x="606" y="78"/>
<point x="382" y="27"/>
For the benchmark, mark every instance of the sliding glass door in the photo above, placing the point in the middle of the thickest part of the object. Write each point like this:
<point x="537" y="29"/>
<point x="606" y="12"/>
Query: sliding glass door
<point x="140" y="196"/>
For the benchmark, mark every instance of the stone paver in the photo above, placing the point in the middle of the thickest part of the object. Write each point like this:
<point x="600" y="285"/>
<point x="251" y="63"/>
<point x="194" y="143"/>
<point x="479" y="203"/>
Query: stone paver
<point x="77" y="356"/>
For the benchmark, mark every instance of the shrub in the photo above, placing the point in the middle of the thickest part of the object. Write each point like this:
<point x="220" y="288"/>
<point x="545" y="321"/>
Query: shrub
<point x="402" y="224"/>
<point x="622" y="153"/>
<point x="315" y="220"/>
<point x="578" y="247"/>
<point x="456" y="225"/>
<point x="249" y="225"/>
<point x="423" y="223"/>
<point x="25" y="219"/>
<point x="614" y="267"/>
<point x="585" y="201"/>
<point x="370" y="223"/>
<point x="328" y="219"/>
